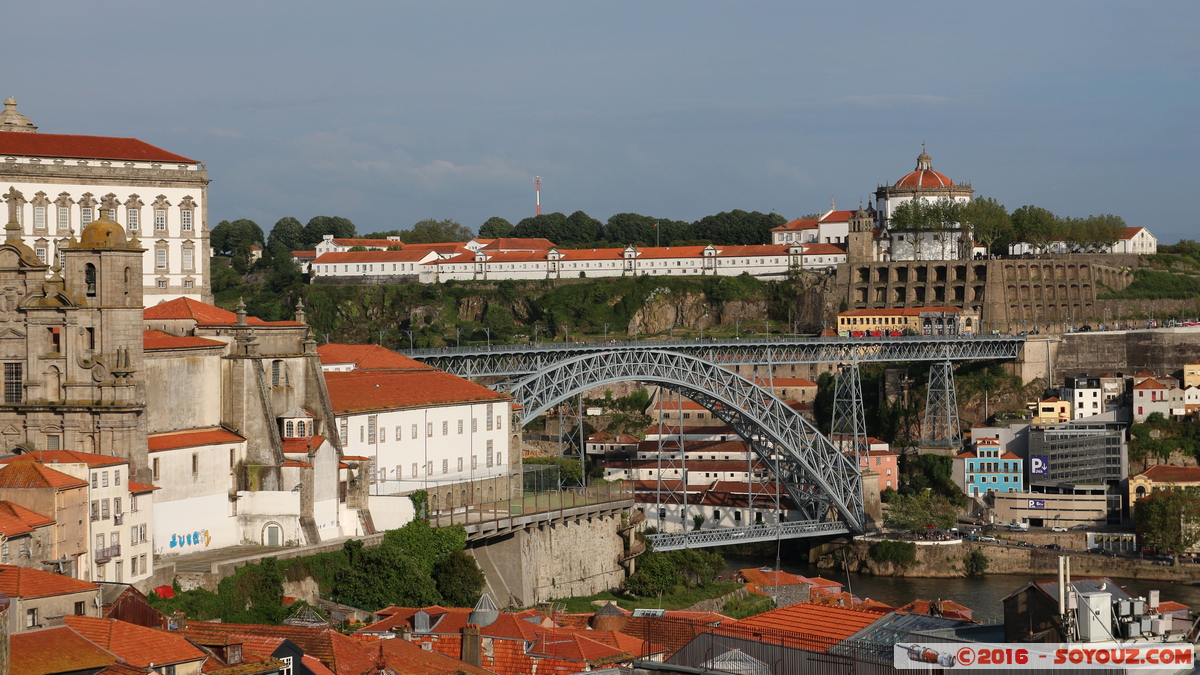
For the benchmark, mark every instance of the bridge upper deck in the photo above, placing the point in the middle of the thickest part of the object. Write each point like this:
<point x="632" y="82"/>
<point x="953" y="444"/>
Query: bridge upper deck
<point x="496" y="360"/>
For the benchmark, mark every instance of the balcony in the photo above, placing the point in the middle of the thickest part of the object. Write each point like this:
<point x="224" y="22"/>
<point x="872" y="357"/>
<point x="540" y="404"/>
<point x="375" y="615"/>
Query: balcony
<point x="118" y="519"/>
<point x="105" y="554"/>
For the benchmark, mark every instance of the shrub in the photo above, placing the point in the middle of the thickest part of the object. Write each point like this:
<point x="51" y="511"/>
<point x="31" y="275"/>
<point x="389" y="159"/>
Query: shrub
<point x="975" y="563"/>
<point x="898" y="552"/>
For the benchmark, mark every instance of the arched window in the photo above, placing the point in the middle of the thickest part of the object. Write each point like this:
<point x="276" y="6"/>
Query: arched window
<point x="300" y="429"/>
<point x="128" y="275"/>
<point x="89" y="278"/>
<point x="290" y="430"/>
<point x="277" y="375"/>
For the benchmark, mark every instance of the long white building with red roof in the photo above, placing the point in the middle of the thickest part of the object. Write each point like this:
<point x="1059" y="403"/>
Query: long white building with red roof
<point x="57" y="184"/>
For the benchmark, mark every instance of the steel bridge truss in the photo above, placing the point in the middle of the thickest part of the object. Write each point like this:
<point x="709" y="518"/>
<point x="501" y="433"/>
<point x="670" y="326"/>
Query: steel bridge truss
<point x="941" y="408"/>
<point x="510" y="360"/>
<point x="746" y="534"/>
<point x="823" y="483"/>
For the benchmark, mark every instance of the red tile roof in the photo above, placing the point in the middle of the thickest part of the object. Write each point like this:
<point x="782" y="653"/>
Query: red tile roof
<point x="304" y="254"/>
<point x="837" y="216"/>
<point x="55" y="650"/>
<point x="136" y="645"/>
<point x="36" y="475"/>
<point x="340" y="257"/>
<point x="1131" y="232"/>
<point x="824" y="249"/>
<point x="511" y="244"/>
<point x="368" y="243"/>
<point x="368" y="357"/>
<point x="302" y="446"/>
<point x="26" y="582"/>
<point x="1166" y="473"/>
<point x="925" y="179"/>
<point x="410" y="659"/>
<point x="138" y="488"/>
<point x="759" y="577"/>
<point x="16" y="520"/>
<point x="66" y="457"/>
<point x="86" y="147"/>
<point x="898" y="311"/>
<point x="203" y="314"/>
<point x="821" y="621"/>
<point x="1150" y="384"/>
<point x="799" y="224"/>
<point x="1171" y="606"/>
<point x="359" y="391"/>
<point x="156" y="339"/>
<point x="191" y="438"/>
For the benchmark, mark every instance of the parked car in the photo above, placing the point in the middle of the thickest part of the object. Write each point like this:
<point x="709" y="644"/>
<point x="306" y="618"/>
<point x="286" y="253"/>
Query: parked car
<point x="1058" y="528"/>
<point x="1080" y="526"/>
<point x="988" y="538"/>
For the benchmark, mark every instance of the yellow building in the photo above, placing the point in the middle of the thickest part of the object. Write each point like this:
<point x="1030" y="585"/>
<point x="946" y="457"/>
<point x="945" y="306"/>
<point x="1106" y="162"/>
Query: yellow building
<point x="1052" y="410"/>
<point x="908" y="320"/>
<point x="1191" y="375"/>
<point x="1162" y="477"/>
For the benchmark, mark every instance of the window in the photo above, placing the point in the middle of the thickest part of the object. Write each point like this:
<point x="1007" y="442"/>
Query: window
<point x="80" y="608"/>
<point x="142" y="537"/>
<point x="155" y="469"/>
<point x="117" y="505"/>
<point x="429" y="429"/>
<point x="342" y="430"/>
<point x="14" y="381"/>
<point x="414" y="470"/>
<point x="287" y="666"/>
<point x="31" y="618"/>
<point x="133" y="538"/>
<point x="289" y="430"/>
<point x="103" y="479"/>
<point x="103" y="513"/>
<point x="40" y="252"/>
<point x="414" y="431"/>
<point x="474" y="424"/>
<point x="445" y="466"/>
<point x="498" y="418"/>
<point x="162" y="283"/>
<point x="460" y="464"/>
<point x="95" y="509"/>
<point x="188" y="283"/>
<point x="428" y="468"/>
<point x="460" y="426"/>
<point x="489" y="417"/>
<point x="85" y="215"/>
<point x="362" y="433"/>
<point x="160" y="220"/>
<point x="185" y="220"/>
<point x="117" y="477"/>
<point x="371" y="428"/>
<point x="489" y="454"/>
<point x="160" y="259"/>
<point x="474" y="462"/>
<point x="445" y="428"/>
<point x="64" y="218"/>
<point x="95" y="479"/>
<point x="188" y="257"/>
<point x="195" y="463"/>
<point x="499" y="458"/>
<point x="132" y="216"/>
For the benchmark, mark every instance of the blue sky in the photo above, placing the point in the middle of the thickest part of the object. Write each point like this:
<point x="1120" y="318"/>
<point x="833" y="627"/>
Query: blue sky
<point x="388" y="113"/>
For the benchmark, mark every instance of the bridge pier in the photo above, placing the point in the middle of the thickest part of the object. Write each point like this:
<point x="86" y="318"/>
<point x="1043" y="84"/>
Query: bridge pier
<point x="848" y="430"/>
<point x="941" y="426"/>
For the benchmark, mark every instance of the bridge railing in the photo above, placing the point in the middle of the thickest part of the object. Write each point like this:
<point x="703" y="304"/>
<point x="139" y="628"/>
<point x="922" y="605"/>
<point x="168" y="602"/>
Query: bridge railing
<point x="555" y="502"/>
<point x="670" y="541"/>
<point x="685" y="342"/>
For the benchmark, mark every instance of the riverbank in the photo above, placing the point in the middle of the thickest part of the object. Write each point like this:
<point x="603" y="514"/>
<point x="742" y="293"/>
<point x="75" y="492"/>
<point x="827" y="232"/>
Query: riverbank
<point x="946" y="560"/>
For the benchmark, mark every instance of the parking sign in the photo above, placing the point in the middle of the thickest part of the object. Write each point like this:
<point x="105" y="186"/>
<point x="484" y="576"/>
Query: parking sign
<point x="1039" y="466"/>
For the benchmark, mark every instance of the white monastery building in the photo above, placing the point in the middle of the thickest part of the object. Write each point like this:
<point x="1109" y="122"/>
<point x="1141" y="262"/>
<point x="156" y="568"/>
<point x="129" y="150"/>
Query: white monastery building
<point x="57" y="184"/>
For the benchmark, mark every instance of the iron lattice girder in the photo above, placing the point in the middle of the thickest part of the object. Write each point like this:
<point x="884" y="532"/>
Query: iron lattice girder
<point x="508" y="360"/>
<point x="819" y="479"/>
<point x="747" y="534"/>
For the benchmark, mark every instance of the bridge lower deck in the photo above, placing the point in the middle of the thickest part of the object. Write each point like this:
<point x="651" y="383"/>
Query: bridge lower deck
<point x="748" y="534"/>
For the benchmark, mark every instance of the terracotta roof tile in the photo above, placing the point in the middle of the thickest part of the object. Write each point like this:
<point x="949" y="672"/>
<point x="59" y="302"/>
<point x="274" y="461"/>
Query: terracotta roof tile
<point x="368" y="243"/>
<point x="136" y="645"/>
<point x="359" y="391"/>
<point x="368" y="357"/>
<point x="823" y="621"/>
<point x="86" y="147"/>
<point x="511" y="244"/>
<point x="306" y="255"/>
<point x="203" y="314"/>
<point x="26" y="582"/>
<point x="798" y="224"/>
<point x="55" y="650"/>
<point x="138" y="488"/>
<point x="36" y="475"/>
<point x="1166" y="473"/>
<point x="1150" y="384"/>
<point x="156" y="339"/>
<point x="66" y="457"/>
<point x="190" y="438"/>
<point x="824" y="249"/>
<point x="16" y="520"/>
<point x="341" y="257"/>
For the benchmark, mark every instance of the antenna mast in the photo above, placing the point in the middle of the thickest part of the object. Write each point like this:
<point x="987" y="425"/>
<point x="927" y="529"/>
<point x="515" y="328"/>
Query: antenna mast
<point x="537" y="193"/>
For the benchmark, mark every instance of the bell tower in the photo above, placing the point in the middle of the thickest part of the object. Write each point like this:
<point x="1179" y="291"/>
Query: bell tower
<point x="860" y="243"/>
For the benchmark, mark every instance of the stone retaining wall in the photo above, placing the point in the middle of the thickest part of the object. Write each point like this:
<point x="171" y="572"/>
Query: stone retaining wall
<point x="718" y="604"/>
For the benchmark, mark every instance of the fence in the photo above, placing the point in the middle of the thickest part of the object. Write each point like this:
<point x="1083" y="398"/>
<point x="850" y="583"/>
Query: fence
<point x="530" y="503"/>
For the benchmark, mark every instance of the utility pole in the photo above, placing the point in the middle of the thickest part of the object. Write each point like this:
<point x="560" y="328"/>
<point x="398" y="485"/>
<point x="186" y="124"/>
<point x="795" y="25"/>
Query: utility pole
<point x="537" y="194"/>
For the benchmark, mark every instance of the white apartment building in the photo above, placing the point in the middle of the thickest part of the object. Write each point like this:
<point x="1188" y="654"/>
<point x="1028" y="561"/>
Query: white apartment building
<point x="56" y="184"/>
<point x="424" y="429"/>
<point x="121" y="513"/>
<point x="1086" y="395"/>
<point x="331" y="244"/>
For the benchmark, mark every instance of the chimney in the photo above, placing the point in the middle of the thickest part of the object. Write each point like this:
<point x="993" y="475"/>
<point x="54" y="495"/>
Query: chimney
<point x="471" y="646"/>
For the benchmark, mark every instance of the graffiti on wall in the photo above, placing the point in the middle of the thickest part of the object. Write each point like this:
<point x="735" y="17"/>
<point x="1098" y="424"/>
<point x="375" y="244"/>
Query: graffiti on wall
<point x="197" y="538"/>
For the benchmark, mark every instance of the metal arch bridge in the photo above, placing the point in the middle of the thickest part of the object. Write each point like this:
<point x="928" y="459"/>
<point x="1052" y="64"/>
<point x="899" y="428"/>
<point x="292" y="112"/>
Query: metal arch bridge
<point x="523" y="359"/>
<point x="823" y="482"/>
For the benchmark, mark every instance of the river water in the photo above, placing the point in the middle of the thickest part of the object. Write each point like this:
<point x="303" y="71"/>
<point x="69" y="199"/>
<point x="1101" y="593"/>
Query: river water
<point x="983" y="594"/>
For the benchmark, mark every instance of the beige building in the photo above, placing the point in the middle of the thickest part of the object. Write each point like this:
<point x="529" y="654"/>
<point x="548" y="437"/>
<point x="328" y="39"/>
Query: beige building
<point x="61" y="497"/>
<point x="1052" y="410"/>
<point x="41" y="599"/>
<point x="57" y="184"/>
<point x="907" y="321"/>
<point x="1191" y="374"/>
<point x="1161" y="477"/>
<point x="1051" y="510"/>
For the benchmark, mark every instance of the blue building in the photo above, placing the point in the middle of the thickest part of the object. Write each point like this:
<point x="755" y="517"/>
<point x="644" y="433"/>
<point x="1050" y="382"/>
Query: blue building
<point x="988" y="468"/>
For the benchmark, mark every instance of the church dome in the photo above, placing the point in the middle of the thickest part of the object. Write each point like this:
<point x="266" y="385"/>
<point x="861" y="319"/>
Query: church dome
<point x="11" y="120"/>
<point x="103" y="233"/>
<point x="924" y="177"/>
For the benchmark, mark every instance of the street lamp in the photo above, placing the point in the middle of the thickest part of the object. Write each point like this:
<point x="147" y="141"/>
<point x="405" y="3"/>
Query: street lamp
<point x="566" y="333"/>
<point x="737" y="329"/>
<point x="701" y="330"/>
<point x="537" y="328"/>
<point x="489" y="336"/>
<point x="457" y="336"/>
<point x="410" y="340"/>
<point x="795" y="329"/>
<point x="768" y="326"/>
<point x="606" y="332"/>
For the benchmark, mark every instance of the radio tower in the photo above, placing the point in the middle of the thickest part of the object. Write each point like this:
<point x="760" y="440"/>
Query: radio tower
<point x="537" y="193"/>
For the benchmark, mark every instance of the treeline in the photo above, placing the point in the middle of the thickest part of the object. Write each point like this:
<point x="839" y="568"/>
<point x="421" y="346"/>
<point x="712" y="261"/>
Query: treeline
<point x="992" y="225"/>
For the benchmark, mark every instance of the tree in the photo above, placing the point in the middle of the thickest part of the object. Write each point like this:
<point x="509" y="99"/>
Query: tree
<point x="656" y="573"/>
<point x="946" y="216"/>
<point x="544" y="226"/>
<point x="975" y="563"/>
<point x="1035" y="226"/>
<point x="459" y="580"/>
<point x="737" y="227"/>
<point x="922" y="510"/>
<point x="989" y="222"/>
<point x="286" y="236"/>
<point x="319" y="226"/>
<point x="579" y="228"/>
<point x="916" y="216"/>
<point x="495" y="228"/>
<point x="430" y="231"/>
<point x="228" y="238"/>
<point x="1105" y="230"/>
<point x="1169" y="520"/>
<point x="634" y="229"/>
